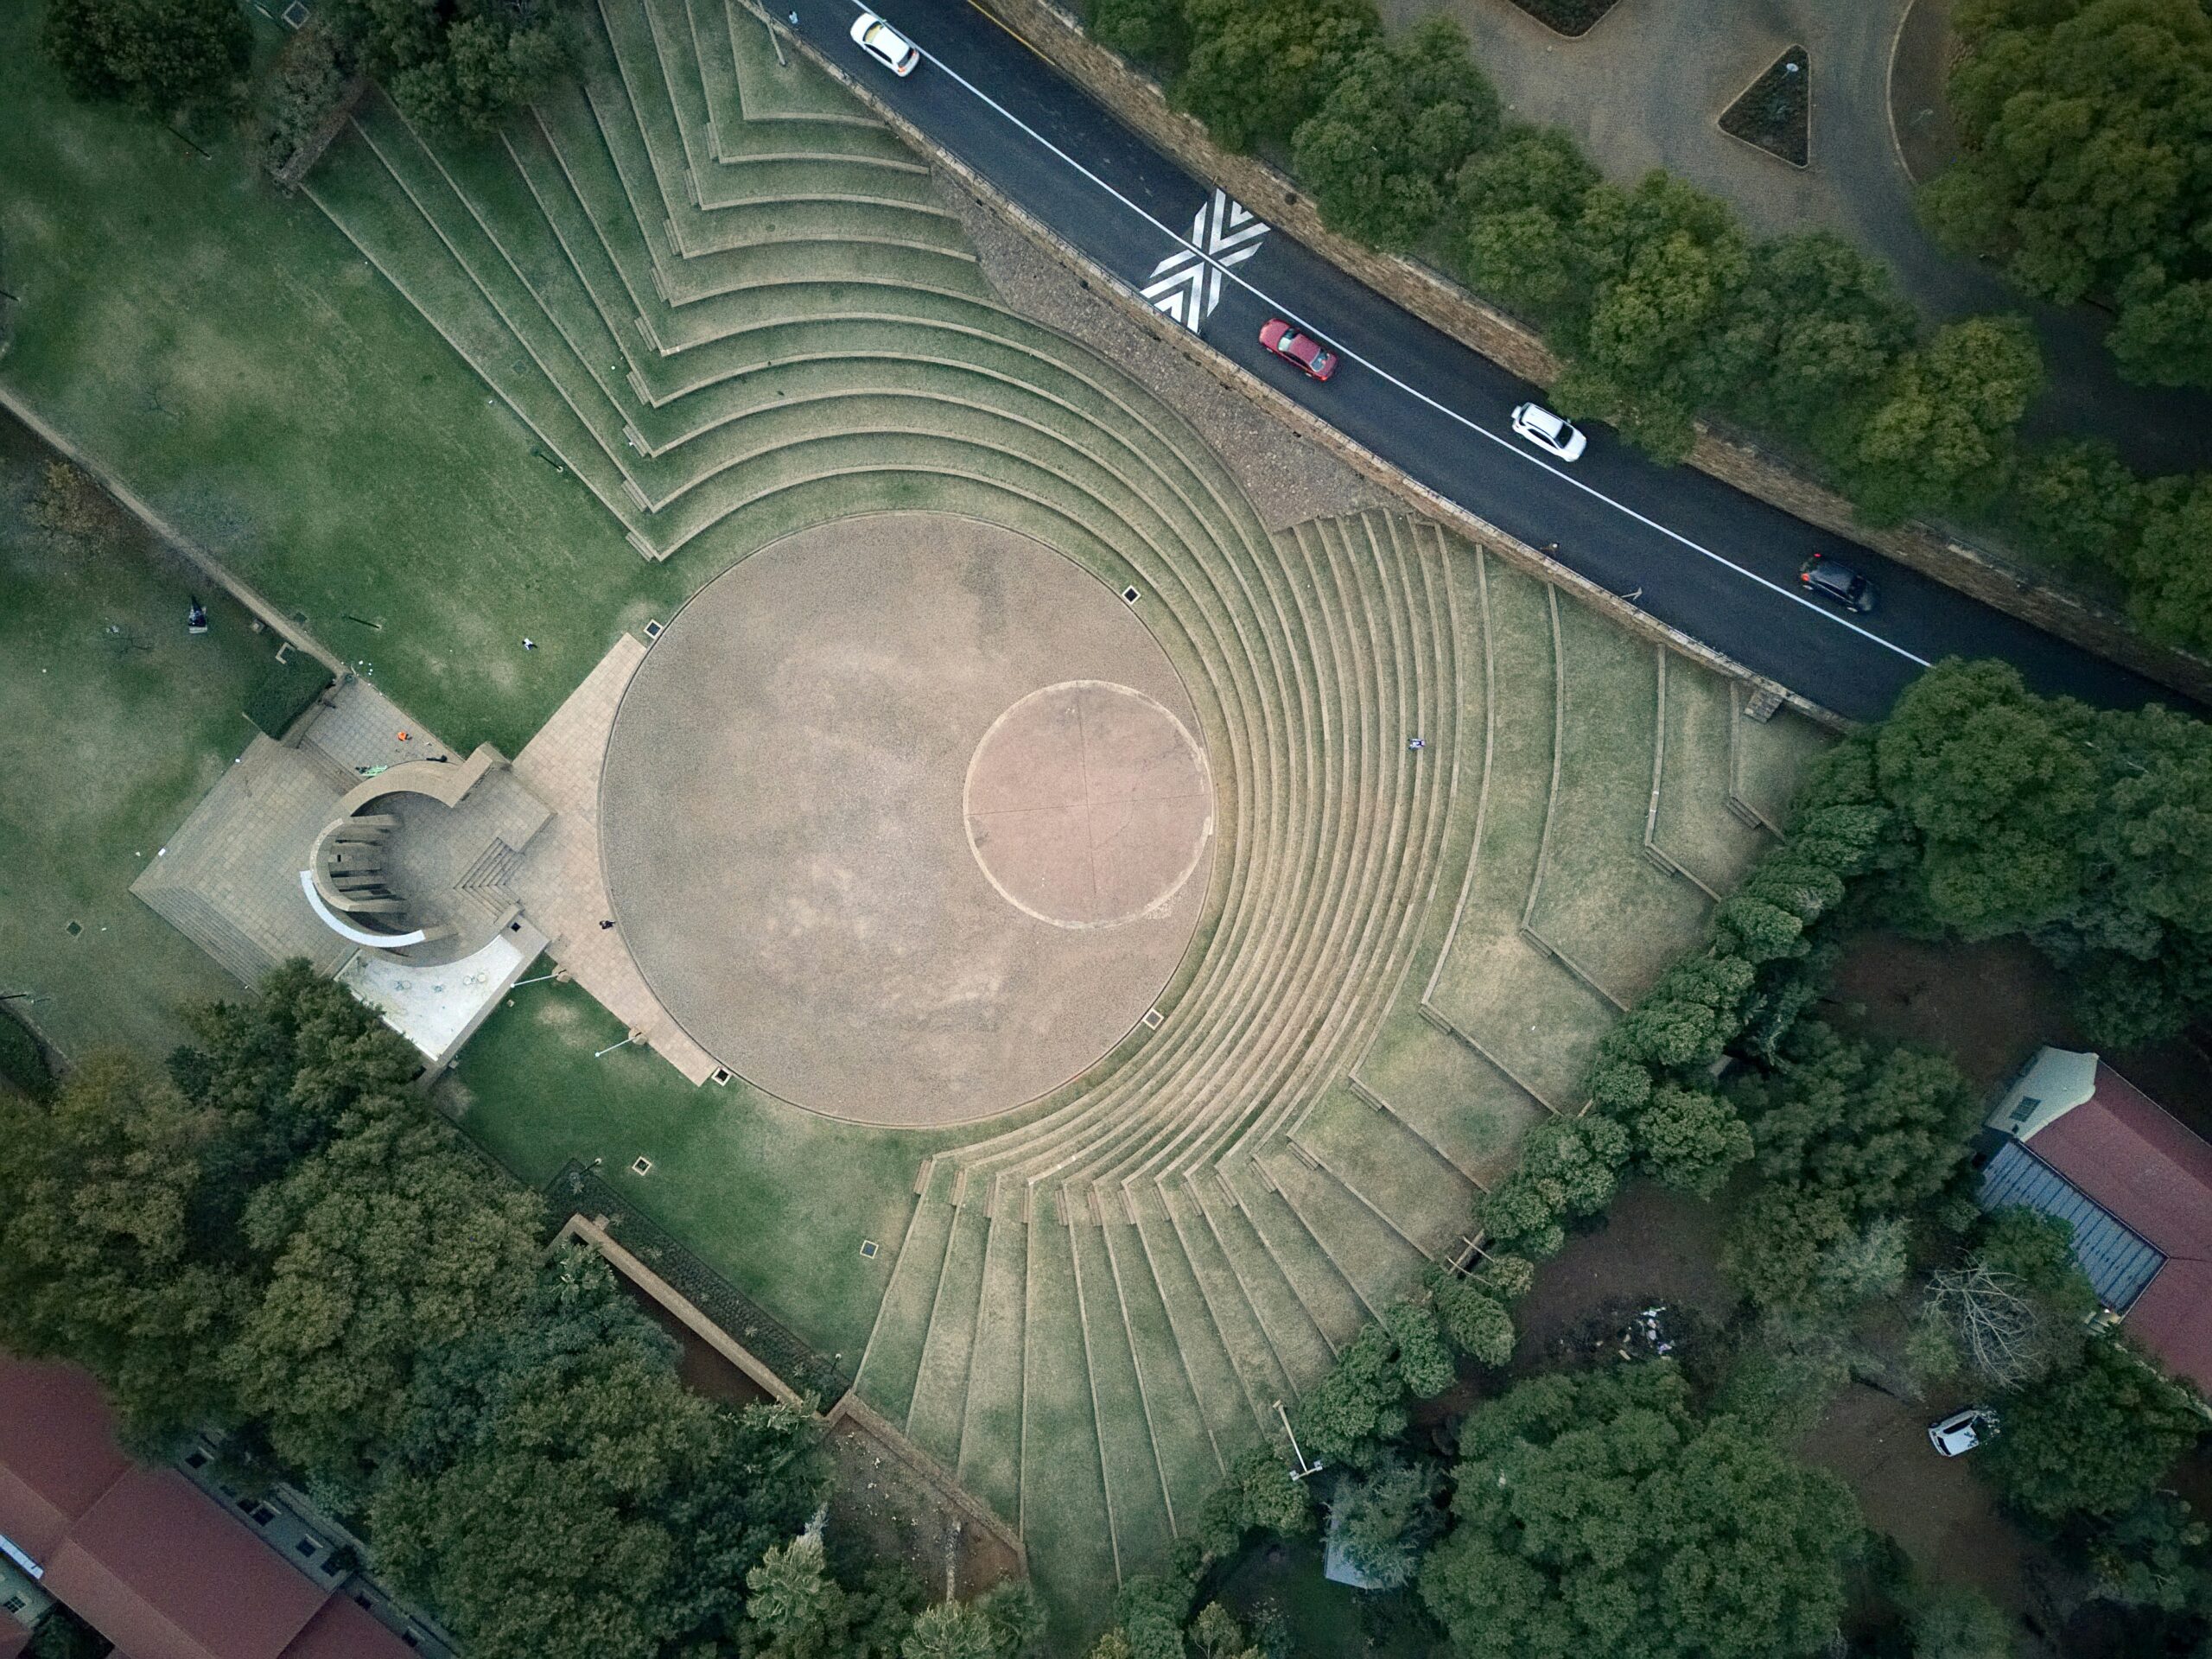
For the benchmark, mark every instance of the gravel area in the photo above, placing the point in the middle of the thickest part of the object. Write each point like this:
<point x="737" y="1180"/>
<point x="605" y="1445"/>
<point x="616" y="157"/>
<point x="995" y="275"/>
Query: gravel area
<point x="1288" y="480"/>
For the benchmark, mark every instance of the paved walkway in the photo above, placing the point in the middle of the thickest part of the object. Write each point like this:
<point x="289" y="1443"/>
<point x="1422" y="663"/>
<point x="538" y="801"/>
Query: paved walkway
<point x="562" y="885"/>
<point x="1645" y="89"/>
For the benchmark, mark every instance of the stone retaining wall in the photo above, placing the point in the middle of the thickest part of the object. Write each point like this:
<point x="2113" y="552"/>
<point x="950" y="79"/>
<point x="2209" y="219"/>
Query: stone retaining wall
<point x="1140" y="101"/>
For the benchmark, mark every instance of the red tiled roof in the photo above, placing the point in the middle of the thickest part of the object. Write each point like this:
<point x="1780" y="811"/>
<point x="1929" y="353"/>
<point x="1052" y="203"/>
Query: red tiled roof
<point x="2128" y="1153"/>
<point x="57" y="1454"/>
<point x="153" y="1564"/>
<point x="341" y="1631"/>
<point x="164" y="1574"/>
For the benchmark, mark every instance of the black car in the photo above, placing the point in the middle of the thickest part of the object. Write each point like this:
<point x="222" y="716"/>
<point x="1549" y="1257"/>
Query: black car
<point x="1837" y="583"/>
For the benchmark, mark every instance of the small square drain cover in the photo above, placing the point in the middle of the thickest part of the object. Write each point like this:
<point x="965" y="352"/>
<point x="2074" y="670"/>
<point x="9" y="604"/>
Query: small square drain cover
<point x="868" y="1247"/>
<point x="1153" y="1019"/>
<point x="643" y="1166"/>
<point x="73" y="929"/>
<point x="1131" y="595"/>
<point x="652" y="630"/>
<point x="721" y="1076"/>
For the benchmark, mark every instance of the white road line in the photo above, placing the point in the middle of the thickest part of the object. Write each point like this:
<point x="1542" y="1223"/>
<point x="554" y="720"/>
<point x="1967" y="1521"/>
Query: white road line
<point x="1518" y="450"/>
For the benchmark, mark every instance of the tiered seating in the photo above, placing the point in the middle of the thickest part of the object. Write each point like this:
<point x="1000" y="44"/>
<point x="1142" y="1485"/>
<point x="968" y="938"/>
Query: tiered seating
<point x="729" y="304"/>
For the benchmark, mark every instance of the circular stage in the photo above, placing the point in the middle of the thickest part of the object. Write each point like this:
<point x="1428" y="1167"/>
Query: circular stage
<point x="905" y="819"/>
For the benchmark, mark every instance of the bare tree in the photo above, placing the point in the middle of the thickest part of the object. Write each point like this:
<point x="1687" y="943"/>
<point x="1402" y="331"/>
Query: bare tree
<point x="1999" y="1329"/>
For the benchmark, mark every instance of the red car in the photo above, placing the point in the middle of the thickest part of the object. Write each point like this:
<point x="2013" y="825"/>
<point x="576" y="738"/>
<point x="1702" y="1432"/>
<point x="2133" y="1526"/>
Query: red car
<point x="1309" y="353"/>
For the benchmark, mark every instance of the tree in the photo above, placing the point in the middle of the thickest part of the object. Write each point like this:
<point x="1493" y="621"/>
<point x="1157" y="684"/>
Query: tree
<point x="1424" y="1362"/>
<point x="1595" y="1513"/>
<point x="1827" y="323"/>
<point x="460" y="65"/>
<point x="2093" y="1439"/>
<point x="1775" y="1248"/>
<point x="2076" y="504"/>
<point x="1258" y="67"/>
<point x="1216" y="1635"/>
<point x="158" y="56"/>
<point x="2171" y="595"/>
<point x="388" y="1241"/>
<point x="1955" y="1622"/>
<point x="1150" y="31"/>
<point x="1150" y="1611"/>
<point x="1876" y="1131"/>
<point x="97" y="1257"/>
<point x="2163" y="337"/>
<point x="1257" y="1492"/>
<point x="1380" y="154"/>
<point x="2000" y="788"/>
<point x="1346" y="1417"/>
<point x="950" y="1629"/>
<point x="1515" y="207"/>
<point x="1476" y="1321"/>
<point x="1690" y="1140"/>
<point x="1663" y="336"/>
<point x="794" y="1608"/>
<point x="2153" y="1556"/>
<point x="2087" y="166"/>
<point x="555" y="1487"/>
<point x="283" y="1071"/>
<point x="1938" y="434"/>
<point x="1383" y="1520"/>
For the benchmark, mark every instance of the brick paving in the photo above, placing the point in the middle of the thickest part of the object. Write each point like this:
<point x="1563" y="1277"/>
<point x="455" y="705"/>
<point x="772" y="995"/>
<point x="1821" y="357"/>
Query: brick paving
<point x="561" y="883"/>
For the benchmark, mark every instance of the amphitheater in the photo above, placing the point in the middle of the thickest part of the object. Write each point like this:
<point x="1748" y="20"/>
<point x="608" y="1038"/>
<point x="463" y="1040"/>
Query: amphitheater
<point x="737" y="309"/>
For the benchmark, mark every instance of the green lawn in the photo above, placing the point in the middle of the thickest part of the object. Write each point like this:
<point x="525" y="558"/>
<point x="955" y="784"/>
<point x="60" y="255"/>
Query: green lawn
<point x="118" y="720"/>
<point x="776" y="1200"/>
<point x="226" y="351"/>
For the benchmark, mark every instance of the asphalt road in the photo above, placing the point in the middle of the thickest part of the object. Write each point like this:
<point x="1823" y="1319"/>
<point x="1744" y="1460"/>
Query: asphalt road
<point x="1693" y="551"/>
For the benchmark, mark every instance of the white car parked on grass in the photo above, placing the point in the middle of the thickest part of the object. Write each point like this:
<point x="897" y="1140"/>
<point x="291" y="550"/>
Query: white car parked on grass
<point x="1554" y="435"/>
<point x="885" y="44"/>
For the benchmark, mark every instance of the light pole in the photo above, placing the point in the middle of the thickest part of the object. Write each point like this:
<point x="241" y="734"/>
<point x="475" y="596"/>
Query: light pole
<point x="1299" y="1468"/>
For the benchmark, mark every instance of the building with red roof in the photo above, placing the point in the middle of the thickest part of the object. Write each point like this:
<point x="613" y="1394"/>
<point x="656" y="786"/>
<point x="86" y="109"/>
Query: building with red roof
<point x="160" y="1567"/>
<point x="2081" y="1142"/>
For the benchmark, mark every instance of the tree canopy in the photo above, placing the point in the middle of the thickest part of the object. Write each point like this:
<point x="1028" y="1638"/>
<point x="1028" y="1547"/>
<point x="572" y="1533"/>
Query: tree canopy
<point x="1381" y="152"/>
<point x="2094" y="1438"/>
<point x="465" y="65"/>
<point x="279" y="1238"/>
<point x="159" y="56"/>
<point x="1257" y="68"/>
<point x="1595" y="1513"/>
<point x="2090" y="831"/>
<point x="2087" y="166"/>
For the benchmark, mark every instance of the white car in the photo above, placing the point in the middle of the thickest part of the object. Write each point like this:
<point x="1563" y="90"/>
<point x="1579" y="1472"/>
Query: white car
<point x="1960" y="1433"/>
<point x="885" y="44"/>
<point x="1554" y="435"/>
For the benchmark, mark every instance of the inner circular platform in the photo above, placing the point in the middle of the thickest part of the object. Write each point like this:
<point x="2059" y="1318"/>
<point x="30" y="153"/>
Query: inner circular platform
<point x="905" y="819"/>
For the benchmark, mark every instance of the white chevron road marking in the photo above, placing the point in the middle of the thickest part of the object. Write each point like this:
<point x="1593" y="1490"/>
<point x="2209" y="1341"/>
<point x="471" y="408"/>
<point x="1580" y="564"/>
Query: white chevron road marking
<point x="1186" y="284"/>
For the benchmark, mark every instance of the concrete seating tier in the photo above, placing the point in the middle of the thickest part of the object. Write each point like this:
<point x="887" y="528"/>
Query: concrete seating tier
<point x="730" y="303"/>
